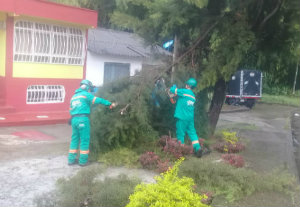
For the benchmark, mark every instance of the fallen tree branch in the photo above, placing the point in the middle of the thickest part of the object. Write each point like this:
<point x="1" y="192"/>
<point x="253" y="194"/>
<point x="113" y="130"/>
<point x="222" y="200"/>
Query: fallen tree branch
<point x="123" y="110"/>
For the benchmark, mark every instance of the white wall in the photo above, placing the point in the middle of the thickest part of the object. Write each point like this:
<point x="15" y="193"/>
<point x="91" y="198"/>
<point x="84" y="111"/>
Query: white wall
<point x="95" y="66"/>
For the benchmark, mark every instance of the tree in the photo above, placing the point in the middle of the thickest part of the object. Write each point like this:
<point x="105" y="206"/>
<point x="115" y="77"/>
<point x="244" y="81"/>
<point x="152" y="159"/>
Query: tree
<point x="220" y="36"/>
<point x="249" y="33"/>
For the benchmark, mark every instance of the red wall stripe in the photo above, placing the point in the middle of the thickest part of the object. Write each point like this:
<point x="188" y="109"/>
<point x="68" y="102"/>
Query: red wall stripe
<point x="50" y="10"/>
<point x="17" y="89"/>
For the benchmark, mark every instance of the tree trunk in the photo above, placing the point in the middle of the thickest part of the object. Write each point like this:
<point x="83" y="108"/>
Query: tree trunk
<point x="175" y="55"/>
<point x="216" y="104"/>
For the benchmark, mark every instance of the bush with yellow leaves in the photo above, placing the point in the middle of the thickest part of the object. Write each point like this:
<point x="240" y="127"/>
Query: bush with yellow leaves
<point x="168" y="191"/>
<point x="231" y="143"/>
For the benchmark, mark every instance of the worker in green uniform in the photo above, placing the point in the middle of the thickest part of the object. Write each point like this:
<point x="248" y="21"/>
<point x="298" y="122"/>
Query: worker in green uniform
<point x="184" y="113"/>
<point x="80" y="105"/>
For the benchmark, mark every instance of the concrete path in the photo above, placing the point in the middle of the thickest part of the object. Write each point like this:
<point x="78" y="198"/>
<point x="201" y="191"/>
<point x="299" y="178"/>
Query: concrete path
<point x="29" y="167"/>
<point x="267" y="134"/>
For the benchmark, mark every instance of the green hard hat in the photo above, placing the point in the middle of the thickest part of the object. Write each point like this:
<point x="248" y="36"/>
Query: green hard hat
<point x="191" y="82"/>
<point x="87" y="83"/>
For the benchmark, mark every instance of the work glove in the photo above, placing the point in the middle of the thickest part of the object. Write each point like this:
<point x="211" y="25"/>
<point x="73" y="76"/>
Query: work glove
<point x="113" y="105"/>
<point x="173" y="87"/>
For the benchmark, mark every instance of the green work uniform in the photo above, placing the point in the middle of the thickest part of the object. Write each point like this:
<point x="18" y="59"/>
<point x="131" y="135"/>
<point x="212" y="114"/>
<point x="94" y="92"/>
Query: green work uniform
<point x="184" y="113"/>
<point x="80" y="111"/>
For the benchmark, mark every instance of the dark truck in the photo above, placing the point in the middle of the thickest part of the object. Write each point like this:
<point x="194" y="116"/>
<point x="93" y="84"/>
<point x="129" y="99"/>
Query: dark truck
<point x="244" y="88"/>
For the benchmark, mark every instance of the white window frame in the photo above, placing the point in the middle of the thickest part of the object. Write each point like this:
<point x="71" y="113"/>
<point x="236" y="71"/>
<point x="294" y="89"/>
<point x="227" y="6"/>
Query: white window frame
<point x="51" y="35"/>
<point x="45" y="94"/>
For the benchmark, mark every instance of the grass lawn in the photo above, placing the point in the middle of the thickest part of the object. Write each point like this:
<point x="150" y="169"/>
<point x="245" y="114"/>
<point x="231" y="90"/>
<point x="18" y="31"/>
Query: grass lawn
<point x="281" y="99"/>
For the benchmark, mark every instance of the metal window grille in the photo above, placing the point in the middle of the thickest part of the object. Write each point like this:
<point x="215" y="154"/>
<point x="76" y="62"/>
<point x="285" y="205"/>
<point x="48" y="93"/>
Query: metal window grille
<point x="37" y="94"/>
<point x="46" y="43"/>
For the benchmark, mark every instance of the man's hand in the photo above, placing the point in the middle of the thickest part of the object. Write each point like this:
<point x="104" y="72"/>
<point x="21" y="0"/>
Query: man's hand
<point x="113" y="105"/>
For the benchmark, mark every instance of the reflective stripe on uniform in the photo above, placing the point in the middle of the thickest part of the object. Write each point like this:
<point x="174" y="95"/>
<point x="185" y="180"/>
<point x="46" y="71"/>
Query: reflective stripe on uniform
<point x="195" y="142"/>
<point x="175" y="91"/>
<point x="77" y="97"/>
<point x="189" y="96"/>
<point x="94" y="99"/>
<point x="84" y="151"/>
<point x="73" y="151"/>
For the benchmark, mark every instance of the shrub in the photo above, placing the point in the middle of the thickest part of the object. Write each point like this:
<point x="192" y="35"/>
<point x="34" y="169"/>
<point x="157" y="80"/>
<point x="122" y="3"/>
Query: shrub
<point x="76" y="190"/>
<point x="163" y="166"/>
<point x="228" y="147"/>
<point x="230" y="137"/>
<point x="170" y="190"/>
<point x="234" y="160"/>
<point x="84" y="189"/>
<point x="233" y="183"/>
<point x="149" y="160"/>
<point x="113" y="192"/>
<point x="209" y="197"/>
<point x="230" y="144"/>
<point x="171" y="146"/>
<point x="120" y="157"/>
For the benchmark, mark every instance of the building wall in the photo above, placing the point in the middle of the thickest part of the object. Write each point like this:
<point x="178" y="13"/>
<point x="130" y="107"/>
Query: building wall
<point x="2" y="43"/>
<point x="95" y="66"/>
<point x="21" y="75"/>
<point x="2" y="56"/>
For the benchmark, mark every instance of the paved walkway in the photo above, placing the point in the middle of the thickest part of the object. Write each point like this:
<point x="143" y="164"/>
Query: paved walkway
<point x="268" y="138"/>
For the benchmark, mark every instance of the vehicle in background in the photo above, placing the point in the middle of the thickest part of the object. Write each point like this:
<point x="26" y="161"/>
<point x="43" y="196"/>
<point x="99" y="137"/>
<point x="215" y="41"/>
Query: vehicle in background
<point x="244" y="88"/>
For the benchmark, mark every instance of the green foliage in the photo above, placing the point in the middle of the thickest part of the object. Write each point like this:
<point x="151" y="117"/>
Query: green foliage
<point x="226" y="53"/>
<point x="158" y="20"/>
<point x="198" y="3"/>
<point x="170" y="190"/>
<point x="281" y="99"/>
<point x="230" y="137"/>
<point x="232" y="183"/>
<point x="280" y="89"/>
<point x="142" y="122"/>
<point x="84" y="189"/>
<point x="235" y="127"/>
<point x="113" y="192"/>
<point x="120" y="157"/>
<point x="75" y="190"/>
<point x="110" y="128"/>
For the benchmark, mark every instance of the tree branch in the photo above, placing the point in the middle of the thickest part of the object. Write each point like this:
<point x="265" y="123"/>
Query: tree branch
<point x="260" y="6"/>
<point x="270" y="15"/>
<point x="189" y="50"/>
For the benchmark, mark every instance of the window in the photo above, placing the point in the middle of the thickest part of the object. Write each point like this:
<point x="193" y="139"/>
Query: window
<point x="45" y="43"/>
<point x="115" y="71"/>
<point x="37" y="94"/>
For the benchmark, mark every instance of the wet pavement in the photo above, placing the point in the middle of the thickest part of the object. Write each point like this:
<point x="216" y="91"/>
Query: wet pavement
<point x="267" y="134"/>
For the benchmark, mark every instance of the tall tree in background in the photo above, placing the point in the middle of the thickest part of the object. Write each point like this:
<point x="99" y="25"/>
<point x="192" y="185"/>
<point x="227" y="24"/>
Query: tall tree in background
<point x="220" y="35"/>
<point x="247" y="33"/>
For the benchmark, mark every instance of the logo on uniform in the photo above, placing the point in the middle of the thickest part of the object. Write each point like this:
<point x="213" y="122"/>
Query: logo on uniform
<point x="76" y="103"/>
<point x="190" y="103"/>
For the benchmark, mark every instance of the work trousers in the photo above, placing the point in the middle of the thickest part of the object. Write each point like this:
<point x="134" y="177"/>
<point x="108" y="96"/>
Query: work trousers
<point x="187" y="126"/>
<point x="80" y="134"/>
